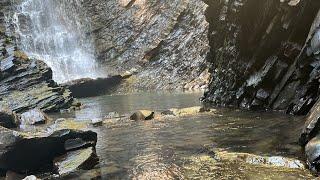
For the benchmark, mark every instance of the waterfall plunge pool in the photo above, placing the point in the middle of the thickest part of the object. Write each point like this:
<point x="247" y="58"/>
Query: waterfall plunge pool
<point x="175" y="148"/>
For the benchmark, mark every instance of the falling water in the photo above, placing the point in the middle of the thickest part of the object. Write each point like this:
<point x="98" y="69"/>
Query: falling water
<point x="54" y="31"/>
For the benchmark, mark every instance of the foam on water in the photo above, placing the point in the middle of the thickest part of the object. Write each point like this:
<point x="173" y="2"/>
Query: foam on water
<point x="54" y="31"/>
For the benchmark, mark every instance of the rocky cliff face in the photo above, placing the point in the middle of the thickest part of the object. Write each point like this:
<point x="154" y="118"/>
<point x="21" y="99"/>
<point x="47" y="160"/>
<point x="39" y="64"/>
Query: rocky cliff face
<point x="26" y="83"/>
<point x="264" y="54"/>
<point x="165" y="42"/>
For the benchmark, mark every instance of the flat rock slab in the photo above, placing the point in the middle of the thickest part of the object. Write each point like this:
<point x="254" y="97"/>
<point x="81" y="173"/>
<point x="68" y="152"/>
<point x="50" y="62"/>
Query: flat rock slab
<point x="74" y="160"/>
<point x="277" y="161"/>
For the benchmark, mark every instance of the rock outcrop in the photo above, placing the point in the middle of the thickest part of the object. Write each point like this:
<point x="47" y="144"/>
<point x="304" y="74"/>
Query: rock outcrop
<point x="164" y="40"/>
<point x="27" y="83"/>
<point x="264" y="54"/>
<point x="21" y="152"/>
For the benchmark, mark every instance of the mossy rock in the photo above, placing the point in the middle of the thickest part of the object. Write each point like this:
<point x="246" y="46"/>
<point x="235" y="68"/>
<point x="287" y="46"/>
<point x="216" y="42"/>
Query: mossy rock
<point x="21" y="55"/>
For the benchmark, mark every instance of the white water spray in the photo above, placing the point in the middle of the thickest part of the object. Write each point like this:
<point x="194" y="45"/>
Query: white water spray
<point x="53" y="31"/>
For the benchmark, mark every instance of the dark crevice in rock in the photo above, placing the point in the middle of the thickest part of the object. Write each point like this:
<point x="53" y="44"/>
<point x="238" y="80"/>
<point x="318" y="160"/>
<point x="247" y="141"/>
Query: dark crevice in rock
<point x="130" y="3"/>
<point x="256" y="48"/>
<point x="93" y="87"/>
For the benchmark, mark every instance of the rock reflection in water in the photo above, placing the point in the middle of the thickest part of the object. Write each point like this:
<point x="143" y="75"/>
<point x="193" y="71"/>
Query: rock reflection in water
<point x="174" y="148"/>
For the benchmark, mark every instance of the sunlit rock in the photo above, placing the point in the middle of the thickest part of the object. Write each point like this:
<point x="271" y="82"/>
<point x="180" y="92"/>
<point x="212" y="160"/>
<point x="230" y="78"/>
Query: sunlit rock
<point x="189" y="111"/>
<point x="75" y="160"/>
<point x="33" y="117"/>
<point x="142" y="115"/>
<point x="165" y="41"/>
<point x="32" y="177"/>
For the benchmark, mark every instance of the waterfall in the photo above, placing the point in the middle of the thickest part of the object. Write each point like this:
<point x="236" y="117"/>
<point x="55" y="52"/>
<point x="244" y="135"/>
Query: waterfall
<point x="55" y="32"/>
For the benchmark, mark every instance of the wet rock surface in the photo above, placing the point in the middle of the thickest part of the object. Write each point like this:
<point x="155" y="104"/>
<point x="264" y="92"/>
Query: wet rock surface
<point x="142" y="115"/>
<point x="312" y="150"/>
<point x="264" y="54"/>
<point x="230" y="165"/>
<point x="166" y="39"/>
<point x="27" y="83"/>
<point x="80" y="159"/>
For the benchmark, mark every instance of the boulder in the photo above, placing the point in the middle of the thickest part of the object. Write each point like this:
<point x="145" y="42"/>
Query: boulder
<point x="8" y="118"/>
<point x="80" y="159"/>
<point x="21" y="152"/>
<point x="97" y="122"/>
<point x="312" y="150"/>
<point x="33" y="117"/>
<point x="32" y="177"/>
<point x="142" y="115"/>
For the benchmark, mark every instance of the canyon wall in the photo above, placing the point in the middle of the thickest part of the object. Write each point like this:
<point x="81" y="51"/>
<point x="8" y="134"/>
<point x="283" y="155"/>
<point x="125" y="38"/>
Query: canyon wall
<point x="265" y="54"/>
<point x="163" y="41"/>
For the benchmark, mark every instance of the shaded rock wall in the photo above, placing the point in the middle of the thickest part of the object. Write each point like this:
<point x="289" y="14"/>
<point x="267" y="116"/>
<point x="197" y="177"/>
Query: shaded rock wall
<point x="264" y="54"/>
<point x="164" y="41"/>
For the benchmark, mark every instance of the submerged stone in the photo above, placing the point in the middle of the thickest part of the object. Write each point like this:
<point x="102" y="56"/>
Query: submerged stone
<point x="277" y="161"/>
<point x="232" y="165"/>
<point x="189" y="111"/>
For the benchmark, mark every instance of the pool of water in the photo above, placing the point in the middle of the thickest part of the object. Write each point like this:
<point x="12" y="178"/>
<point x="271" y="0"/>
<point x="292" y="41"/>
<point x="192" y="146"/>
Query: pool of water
<point x="166" y="149"/>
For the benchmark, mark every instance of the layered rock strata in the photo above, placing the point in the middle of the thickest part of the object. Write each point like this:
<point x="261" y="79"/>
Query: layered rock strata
<point x="27" y="83"/>
<point x="264" y="54"/>
<point x="165" y="42"/>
